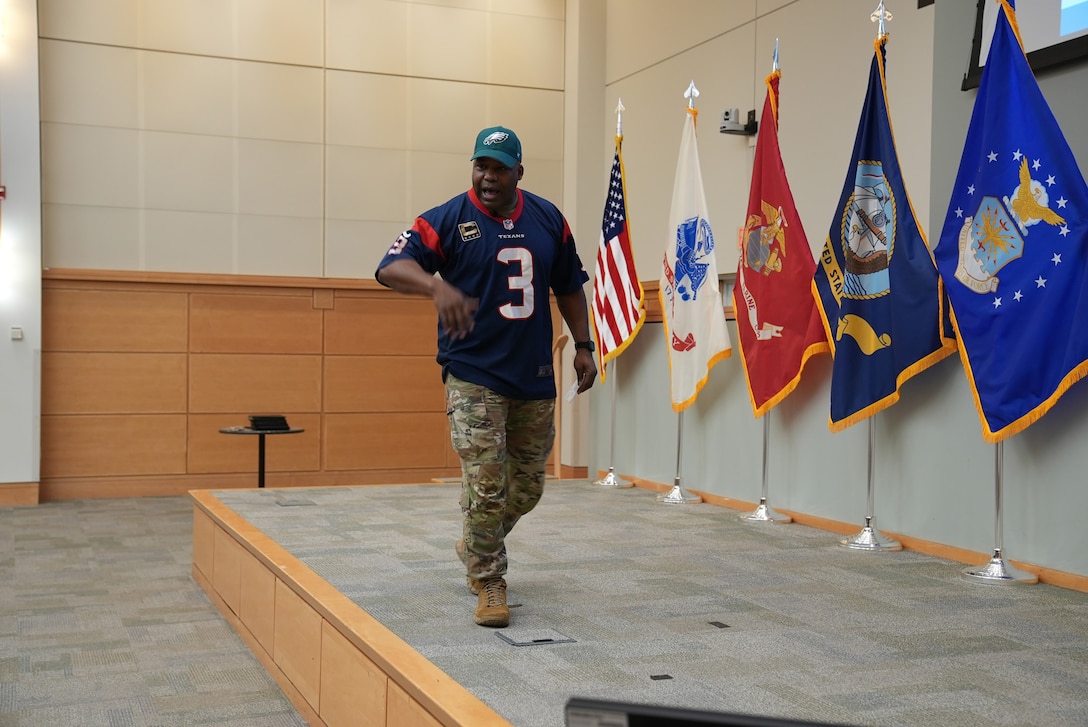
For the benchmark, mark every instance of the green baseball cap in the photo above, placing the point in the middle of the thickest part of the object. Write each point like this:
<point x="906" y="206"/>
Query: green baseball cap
<point x="498" y="142"/>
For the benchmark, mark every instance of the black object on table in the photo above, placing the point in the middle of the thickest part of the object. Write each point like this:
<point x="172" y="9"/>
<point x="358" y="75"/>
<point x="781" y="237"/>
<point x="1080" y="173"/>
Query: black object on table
<point x="260" y="443"/>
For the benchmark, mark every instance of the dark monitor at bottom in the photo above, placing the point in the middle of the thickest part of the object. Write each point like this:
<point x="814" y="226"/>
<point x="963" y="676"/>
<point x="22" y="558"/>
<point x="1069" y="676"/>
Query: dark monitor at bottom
<point x="582" y="712"/>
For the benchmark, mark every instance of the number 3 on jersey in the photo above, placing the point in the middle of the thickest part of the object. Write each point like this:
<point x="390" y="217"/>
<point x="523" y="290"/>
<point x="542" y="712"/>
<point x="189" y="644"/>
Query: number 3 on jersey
<point x="520" y="280"/>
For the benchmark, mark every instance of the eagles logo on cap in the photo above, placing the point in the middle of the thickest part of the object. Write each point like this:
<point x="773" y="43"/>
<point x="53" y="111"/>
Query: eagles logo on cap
<point x="499" y="143"/>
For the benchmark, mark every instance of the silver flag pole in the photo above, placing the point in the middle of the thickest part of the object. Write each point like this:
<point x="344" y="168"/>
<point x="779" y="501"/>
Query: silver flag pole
<point x="764" y="514"/>
<point x="678" y="495"/>
<point x="869" y="538"/>
<point x="998" y="570"/>
<point x="611" y="480"/>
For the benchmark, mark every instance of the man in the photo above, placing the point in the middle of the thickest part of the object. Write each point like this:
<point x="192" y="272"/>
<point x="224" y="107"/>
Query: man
<point x="497" y="251"/>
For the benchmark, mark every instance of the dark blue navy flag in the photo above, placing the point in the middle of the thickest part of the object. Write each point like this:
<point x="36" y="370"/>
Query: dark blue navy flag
<point x="876" y="285"/>
<point x="1013" y="251"/>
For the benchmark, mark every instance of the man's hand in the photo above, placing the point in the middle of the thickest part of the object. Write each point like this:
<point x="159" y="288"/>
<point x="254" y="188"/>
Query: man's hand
<point x="585" y="366"/>
<point x="456" y="311"/>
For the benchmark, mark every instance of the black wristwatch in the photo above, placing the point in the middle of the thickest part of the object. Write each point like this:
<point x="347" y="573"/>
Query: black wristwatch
<point x="587" y="345"/>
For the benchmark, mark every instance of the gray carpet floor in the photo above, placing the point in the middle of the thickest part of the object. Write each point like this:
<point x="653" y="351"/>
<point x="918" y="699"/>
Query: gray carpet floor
<point x="680" y="605"/>
<point x="625" y="598"/>
<point x="102" y="624"/>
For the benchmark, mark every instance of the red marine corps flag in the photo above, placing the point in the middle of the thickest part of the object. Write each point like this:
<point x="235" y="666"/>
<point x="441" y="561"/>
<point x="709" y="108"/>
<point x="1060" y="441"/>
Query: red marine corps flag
<point x="778" y="323"/>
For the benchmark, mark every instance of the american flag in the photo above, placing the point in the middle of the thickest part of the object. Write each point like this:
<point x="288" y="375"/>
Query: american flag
<point x="618" y="306"/>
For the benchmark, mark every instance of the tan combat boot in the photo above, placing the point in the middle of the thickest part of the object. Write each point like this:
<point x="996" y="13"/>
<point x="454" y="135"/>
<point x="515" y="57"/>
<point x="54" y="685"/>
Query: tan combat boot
<point x="491" y="608"/>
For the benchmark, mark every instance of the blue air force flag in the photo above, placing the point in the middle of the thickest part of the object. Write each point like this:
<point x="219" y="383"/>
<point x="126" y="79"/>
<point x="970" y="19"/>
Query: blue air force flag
<point x="691" y="301"/>
<point x="876" y="285"/>
<point x="1014" y="248"/>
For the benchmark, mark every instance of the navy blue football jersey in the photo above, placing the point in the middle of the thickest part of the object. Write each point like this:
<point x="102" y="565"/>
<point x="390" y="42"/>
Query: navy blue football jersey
<point x="509" y="264"/>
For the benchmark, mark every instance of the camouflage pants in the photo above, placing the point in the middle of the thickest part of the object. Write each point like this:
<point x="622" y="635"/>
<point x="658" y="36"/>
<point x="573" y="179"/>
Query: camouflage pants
<point x="503" y="444"/>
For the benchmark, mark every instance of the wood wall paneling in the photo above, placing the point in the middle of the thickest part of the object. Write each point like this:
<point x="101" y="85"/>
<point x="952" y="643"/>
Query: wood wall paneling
<point x="131" y="444"/>
<point x="271" y="324"/>
<point x="114" y="320"/>
<point x="360" y="441"/>
<point x="381" y="324"/>
<point x="140" y="371"/>
<point x="113" y="383"/>
<point x="211" y="451"/>
<point x="258" y="384"/>
<point x="383" y="384"/>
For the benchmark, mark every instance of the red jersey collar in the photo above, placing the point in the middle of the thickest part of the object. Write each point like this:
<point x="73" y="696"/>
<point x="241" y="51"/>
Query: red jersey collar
<point x="480" y="206"/>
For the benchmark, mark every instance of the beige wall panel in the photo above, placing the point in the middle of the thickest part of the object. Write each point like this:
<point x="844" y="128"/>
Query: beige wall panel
<point x="533" y="56"/>
<point x="353" y="248"/>
<point x="553" y="9"/>
<point x="392" y="323"/>
<point x="404" y="711"/>
<point x="537" y="117"/>
<point x="109" y="22"/>
<point x="187" y="172"/>
<point x="254" y="383"/>
<point x="187" y="94"/>
<point x="632" y="44"/>
<point x="88" y="84"/>
<point x="106" y="238"/>
<point x="203" y="543"/>
<point x="280" y="102"/>
<point x="545" y="178"/>
<point x="765" y="6"/>
<point x="113" y="383"/>
<point x="98" y="320"/>
<point x="257" y="600"/>
<point x="243" y="323"/>
<point x="228" y="569"/>
<point x="367" y="184"/>
<point x="375" y="441"/>
<point x="280" y="178"/>
<point x="383" y="384"/>
<point x="357" y="107"/>
<point x="446" y="116"/>
<point x="90" y="165"/>
<point x="654" y="135"/>
<point x="353" y="688"/>
<point x="133" y="444"/>
<point x="186" y="242"/>
<point x="272" y="245"/>
<point x="445" y="33"/>
<point x="211" y="451"/>
<point x="281" y="31"/>
<point x="367" y="35"/>
<point x="199" y="27"/>
<point x="436" y="177"/>
<point x="297" y="643"/>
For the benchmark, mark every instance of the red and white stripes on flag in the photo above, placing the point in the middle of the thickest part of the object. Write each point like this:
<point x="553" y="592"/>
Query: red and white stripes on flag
<point x="618" y="306"/>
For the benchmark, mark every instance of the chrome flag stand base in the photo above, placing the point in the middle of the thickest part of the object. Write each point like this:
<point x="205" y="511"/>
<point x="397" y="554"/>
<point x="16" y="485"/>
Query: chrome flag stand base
<point x="871" y="540"/>
<point x="678" y="495"/>
<point x="610" y="480"/>
<point x="764" y="514"/>
<point x="998" y="570"/>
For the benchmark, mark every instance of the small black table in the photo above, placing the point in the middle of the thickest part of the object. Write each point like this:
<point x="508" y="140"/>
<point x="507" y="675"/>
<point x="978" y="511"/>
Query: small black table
<point x="260" y="443"/>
